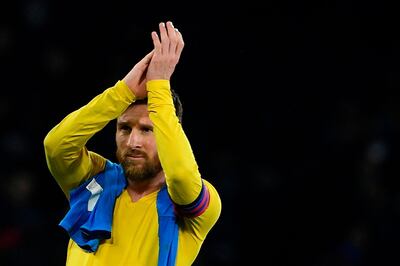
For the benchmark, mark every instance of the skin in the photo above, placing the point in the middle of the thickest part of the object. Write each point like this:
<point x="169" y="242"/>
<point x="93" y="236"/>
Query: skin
<point x="136" y="143"/>
<point x="137" y="152"/>
<point x="160" y="63"/>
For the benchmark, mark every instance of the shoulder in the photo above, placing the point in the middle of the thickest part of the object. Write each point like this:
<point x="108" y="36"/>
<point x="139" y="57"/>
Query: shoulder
<point x="201" y="225"/>
<point x="214" y="207"/>
<point x="98" y="163"/>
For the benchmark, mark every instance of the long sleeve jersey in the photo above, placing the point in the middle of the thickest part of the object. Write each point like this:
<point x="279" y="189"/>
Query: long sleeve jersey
<point x="134" y="239"/>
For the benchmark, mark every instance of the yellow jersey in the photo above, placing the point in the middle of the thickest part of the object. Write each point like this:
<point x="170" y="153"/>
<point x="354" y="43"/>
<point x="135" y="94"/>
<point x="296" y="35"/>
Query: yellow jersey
<point x="134" y="237"/>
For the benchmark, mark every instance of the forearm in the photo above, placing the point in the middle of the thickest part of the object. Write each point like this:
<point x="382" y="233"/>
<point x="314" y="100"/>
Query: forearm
<point x="67" y="157"/>
<point x="174" y="150"/>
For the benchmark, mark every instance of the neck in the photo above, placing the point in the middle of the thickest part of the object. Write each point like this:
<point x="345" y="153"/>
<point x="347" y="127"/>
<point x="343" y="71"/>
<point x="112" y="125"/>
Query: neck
<point x="139" y="189"/>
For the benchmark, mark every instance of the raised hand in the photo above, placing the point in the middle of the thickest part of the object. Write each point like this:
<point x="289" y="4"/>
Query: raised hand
<point x="136" y="78"/>
<point x="167" y="51"/>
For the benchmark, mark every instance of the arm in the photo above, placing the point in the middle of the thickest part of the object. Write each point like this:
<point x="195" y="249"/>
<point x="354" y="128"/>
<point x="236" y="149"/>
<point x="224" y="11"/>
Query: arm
<point x="174" y="150"/>
<point x="67" y="157"/>
<point x="185" y="185"/>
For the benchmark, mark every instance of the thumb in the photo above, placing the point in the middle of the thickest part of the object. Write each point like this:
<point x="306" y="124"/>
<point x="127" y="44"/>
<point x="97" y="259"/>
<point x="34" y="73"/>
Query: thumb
<point x="142" y="65"/>
<point x="146" y="60"/>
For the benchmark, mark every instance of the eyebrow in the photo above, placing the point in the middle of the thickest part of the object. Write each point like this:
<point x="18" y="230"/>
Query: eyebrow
<point x="126" y="123"/>
<point x="122" y="123"/>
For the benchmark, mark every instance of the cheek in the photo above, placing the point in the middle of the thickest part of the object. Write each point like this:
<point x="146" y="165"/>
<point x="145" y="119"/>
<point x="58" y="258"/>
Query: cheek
<point x="151" y="148"/>
<point x="118" y="141"/>
<point x="121" y="145"/>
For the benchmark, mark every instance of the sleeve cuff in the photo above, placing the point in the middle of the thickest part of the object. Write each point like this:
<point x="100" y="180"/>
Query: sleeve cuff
<point x="124" y="91"/>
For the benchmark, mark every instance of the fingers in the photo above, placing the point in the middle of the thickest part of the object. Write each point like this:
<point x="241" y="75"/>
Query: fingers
<point x="172" y="37"/>
<point x="142" y="64"/>
<point x="180" y="43"/>
<point x="169" y="41"/>
<point x="168" y="45"/>
<point x="164" y="38"/>
<point x="156" y="43"/>
<point x="146" y="60"/>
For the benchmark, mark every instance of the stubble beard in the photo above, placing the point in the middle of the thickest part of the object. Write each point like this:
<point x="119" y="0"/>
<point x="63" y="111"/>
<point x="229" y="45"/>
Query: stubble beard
<point x="139" y="171"/>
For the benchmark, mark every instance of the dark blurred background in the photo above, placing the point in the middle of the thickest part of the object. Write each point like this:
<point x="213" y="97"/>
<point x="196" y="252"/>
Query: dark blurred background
<point x="291" y="108"/>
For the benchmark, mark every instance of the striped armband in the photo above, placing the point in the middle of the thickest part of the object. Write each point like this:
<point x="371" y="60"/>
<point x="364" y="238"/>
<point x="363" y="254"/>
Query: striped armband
<point x="197" y="207"/>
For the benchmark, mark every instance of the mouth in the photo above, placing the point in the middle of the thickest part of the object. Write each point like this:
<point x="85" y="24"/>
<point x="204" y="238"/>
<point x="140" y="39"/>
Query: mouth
<point x="135" y="156"/>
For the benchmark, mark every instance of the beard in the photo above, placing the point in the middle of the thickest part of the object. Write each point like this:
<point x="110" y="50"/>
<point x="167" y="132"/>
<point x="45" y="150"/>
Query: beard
<point x="139" y="171"/>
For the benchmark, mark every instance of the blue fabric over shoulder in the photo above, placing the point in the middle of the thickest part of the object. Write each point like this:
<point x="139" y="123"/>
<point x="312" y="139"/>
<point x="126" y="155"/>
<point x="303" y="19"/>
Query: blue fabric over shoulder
<point x="167" y="229"/>
<point x="89" y="219"/>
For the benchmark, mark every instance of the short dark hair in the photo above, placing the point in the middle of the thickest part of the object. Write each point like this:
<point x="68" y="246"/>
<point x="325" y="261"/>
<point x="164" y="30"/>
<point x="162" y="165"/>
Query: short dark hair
<point x="177" y="104"/>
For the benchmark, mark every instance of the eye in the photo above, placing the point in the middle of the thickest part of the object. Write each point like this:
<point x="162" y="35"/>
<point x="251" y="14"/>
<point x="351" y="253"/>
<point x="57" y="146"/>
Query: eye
<point x="124" y="129"/>
<point x="147" y="129"/>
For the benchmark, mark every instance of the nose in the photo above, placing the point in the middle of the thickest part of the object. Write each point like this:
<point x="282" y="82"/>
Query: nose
<point x="134" y="139"/>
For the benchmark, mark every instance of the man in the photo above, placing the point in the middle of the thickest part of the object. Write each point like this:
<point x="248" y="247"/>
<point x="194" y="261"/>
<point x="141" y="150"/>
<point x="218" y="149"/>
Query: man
<point x="152" y="207"/>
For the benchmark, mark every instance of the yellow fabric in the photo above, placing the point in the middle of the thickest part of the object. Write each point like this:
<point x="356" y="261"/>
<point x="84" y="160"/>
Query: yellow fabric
<point x="134" y="235"/>
<point x="174" y="150"/>
<point x="134" y="238"/>
<point x="67" y="158"/>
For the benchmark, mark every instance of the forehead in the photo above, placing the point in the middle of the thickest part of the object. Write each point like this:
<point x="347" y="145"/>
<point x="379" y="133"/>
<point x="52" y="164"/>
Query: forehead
<point x="135" y="113"/>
